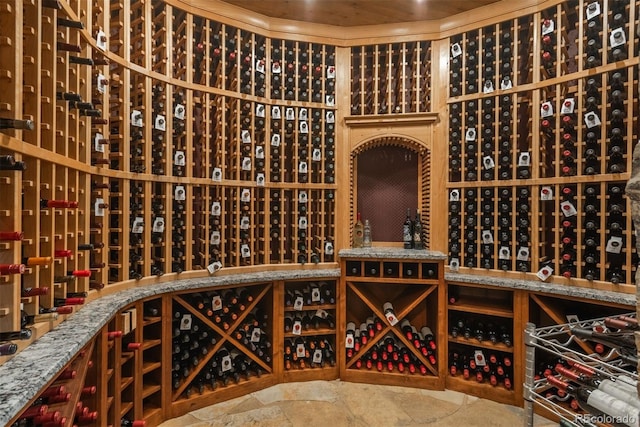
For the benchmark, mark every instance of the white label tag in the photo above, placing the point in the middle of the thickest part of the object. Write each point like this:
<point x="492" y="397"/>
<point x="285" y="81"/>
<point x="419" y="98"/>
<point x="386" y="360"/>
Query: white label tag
<point x="289" y="114"/>
<point x="245" y="223"/>
<point x="488" y="87"/>
<point x="246" y="136"/>
<point x="214" y="266"/>
<point x="302" y="167"/>
<point x="478" y="355"/>
<point x="302" y="197"/>
<point x="214" y="239"/>
<point x="259" y="152"/>
<point x="505" y="83"/>
<point x="260" y="66"/>
<point x="275" y="140"/>
<point x="548" y="26"/>
<point x="101" y="40"/>
<point x="298" y="303"/>
<point x="593" y="10"/>
<point x="255" y="335"/>
<point x="179" y="158"/>
<point x="178" y="112"/>
<point x="216" y="175"/>
<point x="488" y="162"/>
<point x="328" y="248"/>
<point x="136" y="118"/>
<point x="391" y="318"/>
<point x="260" y="179"/>
<point x="216" y="303"/>
<point x="524" y="159"/>
<point x="179" y="193"/>
<point x="158" y="225"/>
<point x="138" y="226"/>
<point x="330" y="100"/>
<point x="276" y="68"/>
<point x="504" y="253"/>
<point x="316" y="155"/>
<point x="349" y="341"/>
<point x="454" y="264"/>
<point x="456" y="50"/>
<point x="97" y="145"/>
<point x="331" y="72"/>
<point x="246" y="163"/>
<point x="317" y="356"/>
<point x="470" y="135"/>
<point x="523" y="254"/>
<point x="568" y="106"/>
<point x="98" y="211"/>
<point x="296" y="329"/>
<point x="546" y="193"/>
<point x="160" y="123"/>
<point x="302" y="223"/>
<point x="614" y="245"/>
<point x="245" y="252"/>
<point x="275" y="112"/>
<point x="331" y="117"/>
<point x="315" y="294"/>
<point x="216" y="209"/>
<point x="591" y="119"/>
<point x="300" y="350"/>
<point x="302" y="114"/>
<point x="617" y="38"/>
<point x="320" y="312"/>
<point x="546" y="109"/>
<point x="101" y="83"/>
<point x="245" y="195"/>
<point x="185" y="322"/>
<point x="487" y="237"/>
<point x="304" y="128"/>
<point x="568" y="209"/>
<point x="260" y="110"/>
<point x="454" y="195"/>
<point x="544" y="273"/>
<point x="226" y="363"/>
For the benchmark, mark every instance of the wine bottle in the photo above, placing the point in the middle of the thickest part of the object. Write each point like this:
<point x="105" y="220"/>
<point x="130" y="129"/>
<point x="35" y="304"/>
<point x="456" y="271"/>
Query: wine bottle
<point x="6" y="123"/>
<point x="623" y="342"/>
<point x="407" y="231"/>
<point x="417" y="232"/>
<point x="358" y="232"/>
<point x="23" y="334"/>
<point x="366" y="236"/>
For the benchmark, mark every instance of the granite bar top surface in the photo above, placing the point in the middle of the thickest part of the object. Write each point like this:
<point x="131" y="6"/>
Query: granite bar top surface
<point x="23" y="376"/>
<point x="393" y="253"/>
<point x="543" y="287"/>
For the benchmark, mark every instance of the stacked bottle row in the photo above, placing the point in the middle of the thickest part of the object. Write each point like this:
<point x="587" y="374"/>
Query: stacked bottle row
<point x="590" y="376"/>
<point x="490" y="228"/>
<point x="391" y="327"/>
<point x="391" y="78"/>
<point x="220" y="337"/>
<point x="470" y="364"/>
<point x="573" y="36"/>
<point x="486" y="143"/>
<point x="309" y="325"/>
<point x="586" y="128"/>
<point x="67" y="399"/>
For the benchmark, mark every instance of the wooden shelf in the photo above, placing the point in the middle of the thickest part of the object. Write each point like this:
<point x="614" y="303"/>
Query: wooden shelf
<point x="483" y="390"/>
<point x="483" y="344"/>
<point x="481" y="307"/>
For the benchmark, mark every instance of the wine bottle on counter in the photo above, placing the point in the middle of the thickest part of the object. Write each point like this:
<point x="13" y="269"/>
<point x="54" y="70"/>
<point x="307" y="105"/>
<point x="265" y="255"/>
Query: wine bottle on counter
<point x="407" y="231"/>
<point x="358" y="232"/>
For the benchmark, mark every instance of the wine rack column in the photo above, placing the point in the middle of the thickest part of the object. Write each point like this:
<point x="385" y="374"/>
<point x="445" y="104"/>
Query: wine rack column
<point x="222" y="344"/>
<point x="391" y="329"/>
<point x="310" y="321"/>
<point x="483" y="342"/>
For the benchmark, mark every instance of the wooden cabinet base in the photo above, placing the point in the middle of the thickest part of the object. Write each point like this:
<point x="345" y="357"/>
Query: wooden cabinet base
<point x="484" y="390"/>
<point x="397" y="379"/>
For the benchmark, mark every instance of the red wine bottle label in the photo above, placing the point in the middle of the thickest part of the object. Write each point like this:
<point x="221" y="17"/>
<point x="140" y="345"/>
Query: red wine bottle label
<point x="80" y="273"/>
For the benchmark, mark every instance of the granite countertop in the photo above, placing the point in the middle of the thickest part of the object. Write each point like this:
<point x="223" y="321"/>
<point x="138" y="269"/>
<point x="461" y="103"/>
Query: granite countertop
<point x="549" y="288"/>
<point x="23" y="376"/>
<point x="393" y="253"/>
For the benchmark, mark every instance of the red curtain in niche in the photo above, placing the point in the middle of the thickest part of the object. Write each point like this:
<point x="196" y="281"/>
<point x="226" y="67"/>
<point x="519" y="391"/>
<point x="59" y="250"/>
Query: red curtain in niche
<point x="387" y="184"/>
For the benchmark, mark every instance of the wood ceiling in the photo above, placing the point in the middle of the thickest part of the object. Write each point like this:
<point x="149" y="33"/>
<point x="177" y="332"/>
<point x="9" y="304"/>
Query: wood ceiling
<point x="348" y="13"/>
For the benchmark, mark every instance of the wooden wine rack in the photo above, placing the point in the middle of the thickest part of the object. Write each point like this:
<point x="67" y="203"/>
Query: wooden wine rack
<point x="510" y="179"/>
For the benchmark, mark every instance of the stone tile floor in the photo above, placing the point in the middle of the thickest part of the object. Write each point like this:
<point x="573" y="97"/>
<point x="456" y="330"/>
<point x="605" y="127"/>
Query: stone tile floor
<point x="337" y="404"/>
